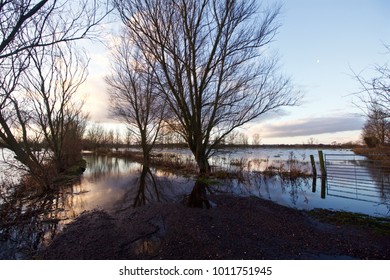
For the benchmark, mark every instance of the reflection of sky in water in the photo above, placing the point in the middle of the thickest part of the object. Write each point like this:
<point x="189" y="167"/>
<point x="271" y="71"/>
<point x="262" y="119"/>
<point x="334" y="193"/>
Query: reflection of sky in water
<point x="369" y="199"/>
<point x="257" y="159"/>
<point x="113" y="184"/>
<point x="299" y="194"/>
<point x="108" y="183"/>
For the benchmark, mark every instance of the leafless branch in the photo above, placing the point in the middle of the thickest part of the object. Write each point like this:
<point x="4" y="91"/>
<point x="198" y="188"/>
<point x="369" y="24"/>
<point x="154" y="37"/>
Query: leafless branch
<point x="133" y="94"/>
<point x="212" y="63"/>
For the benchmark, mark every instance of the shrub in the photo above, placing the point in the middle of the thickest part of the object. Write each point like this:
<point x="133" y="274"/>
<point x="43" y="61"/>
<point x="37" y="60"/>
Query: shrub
<point x="371" y="141"/>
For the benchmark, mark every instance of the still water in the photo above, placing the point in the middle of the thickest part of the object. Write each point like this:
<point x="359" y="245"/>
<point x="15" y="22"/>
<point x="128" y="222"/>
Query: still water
<point x="114" y="184"/>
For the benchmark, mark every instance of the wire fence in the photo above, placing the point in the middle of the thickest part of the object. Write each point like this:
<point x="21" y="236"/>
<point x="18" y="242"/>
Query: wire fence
<point x="358" y="177"/>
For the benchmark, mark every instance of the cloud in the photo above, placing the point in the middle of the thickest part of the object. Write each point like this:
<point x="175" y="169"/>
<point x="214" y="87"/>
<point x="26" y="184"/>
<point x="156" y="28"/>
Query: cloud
<point x="312" y="126"/>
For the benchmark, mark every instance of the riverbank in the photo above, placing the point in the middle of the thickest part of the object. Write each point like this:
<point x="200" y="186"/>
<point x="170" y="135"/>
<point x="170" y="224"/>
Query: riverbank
<point x="236" y="228"/>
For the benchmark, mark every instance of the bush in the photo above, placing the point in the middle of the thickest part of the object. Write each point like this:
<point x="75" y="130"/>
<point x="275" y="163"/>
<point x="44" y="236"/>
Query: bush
<point x="371" y="141"/>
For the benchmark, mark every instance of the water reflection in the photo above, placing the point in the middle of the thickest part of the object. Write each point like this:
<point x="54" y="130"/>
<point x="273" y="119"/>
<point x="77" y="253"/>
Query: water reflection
<point x="147" y="190"/>
<point x="116" y="184"/>
<point x="359" y="179"/>
<point x="148" y="186"/>
<point x="198" y="197"/>
<point x="149" y="244"/>
<point x="29" y="221"/>
<point x="303" y="193"/>
<point x="99" y="167"/>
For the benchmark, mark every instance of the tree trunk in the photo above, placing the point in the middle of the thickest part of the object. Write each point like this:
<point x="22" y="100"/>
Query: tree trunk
<point x="145" y="152"/>
<point x="198" y="197"/>
<point x="196" y="147"/>
<point x="203" y="164"/>
<point x="21" y="154"/>
<point x="140" y="199"/>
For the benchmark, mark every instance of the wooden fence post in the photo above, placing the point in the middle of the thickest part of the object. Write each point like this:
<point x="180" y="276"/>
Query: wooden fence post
<point x="323" y="187"/>
<point x="314" y="185"/>
<point x="313" y="166"/>
<point x="323" y="174"/>
<point x="322" y="164"/>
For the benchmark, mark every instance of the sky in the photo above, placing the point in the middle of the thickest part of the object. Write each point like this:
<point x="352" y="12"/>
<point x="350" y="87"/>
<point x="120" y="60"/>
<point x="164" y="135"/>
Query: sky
<point x="319" y="44"/>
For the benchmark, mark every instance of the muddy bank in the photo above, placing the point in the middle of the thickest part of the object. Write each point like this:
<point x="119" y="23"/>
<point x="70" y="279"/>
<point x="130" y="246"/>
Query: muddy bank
<point x="238" y="228"/>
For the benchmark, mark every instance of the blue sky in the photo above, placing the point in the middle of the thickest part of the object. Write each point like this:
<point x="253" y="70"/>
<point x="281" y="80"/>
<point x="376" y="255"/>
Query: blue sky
<point x="318" y="44"/>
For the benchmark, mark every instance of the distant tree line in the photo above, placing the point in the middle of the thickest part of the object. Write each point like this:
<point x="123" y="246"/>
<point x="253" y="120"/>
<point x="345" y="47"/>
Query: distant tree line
<point x="98" y="137"/>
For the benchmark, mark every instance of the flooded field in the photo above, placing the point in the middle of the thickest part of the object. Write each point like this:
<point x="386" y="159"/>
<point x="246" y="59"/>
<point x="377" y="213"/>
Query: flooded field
<point x="114" y="184"/>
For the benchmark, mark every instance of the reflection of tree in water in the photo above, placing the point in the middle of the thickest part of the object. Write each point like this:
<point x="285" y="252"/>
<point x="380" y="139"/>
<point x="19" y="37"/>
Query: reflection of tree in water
<point x="297" y="188"/>
<point x="268" y="187"/>
<point x="99" y="167"/>
<point x="146" y="187"/>
<point x="364" y="179"/>
<point x="198" y="197"/>
<point x="29" y="220"/>
<point x="380" y="174"/>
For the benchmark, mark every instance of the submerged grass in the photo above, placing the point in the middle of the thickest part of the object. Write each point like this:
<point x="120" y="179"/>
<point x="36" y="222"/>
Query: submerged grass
<point x="290" y="169"/>
<point x="379" y="225"/>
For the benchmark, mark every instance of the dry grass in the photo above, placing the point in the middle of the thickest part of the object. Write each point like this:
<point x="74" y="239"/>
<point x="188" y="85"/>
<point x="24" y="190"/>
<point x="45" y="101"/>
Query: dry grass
<point x="380" y="155"/>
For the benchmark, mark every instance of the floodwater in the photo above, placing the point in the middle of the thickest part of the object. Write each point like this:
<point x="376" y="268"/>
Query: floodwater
<point x="111" y="184"/>
<point x="114" y="184"/>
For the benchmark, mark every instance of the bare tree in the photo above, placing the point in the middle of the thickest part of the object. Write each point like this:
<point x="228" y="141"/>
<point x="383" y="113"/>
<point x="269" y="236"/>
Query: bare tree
<point x="232" y="138"/>
<point x="256" y="139"/>
<point x="95" y="136"/>
<point x="243" y="139"/>
<point x="134" y="97"/>
<point x="13" y="116"/>
<point x="312" y="141"/>
<point x="375" y="92"/>
<point x="376" y="129"/>
<point x="50" y="85"/>
<point x="374" y="97"/>
<point x="118" y="139"/>
<point x="25" y="26"/>
<point x="212" y="63"/>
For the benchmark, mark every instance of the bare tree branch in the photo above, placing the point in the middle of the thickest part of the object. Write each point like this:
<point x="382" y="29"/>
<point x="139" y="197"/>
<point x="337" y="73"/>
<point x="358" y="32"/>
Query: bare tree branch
<point x="133" y="95"/>
<point x="31" y="24"/>
<point x="212" y="63"/>
<point x="51" y="86"/>
<point x="28" y="28"/>
<point x="374" y="101"/>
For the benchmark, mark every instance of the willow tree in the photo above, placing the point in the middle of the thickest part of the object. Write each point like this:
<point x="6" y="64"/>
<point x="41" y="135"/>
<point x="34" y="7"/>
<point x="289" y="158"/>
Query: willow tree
<point x="26" y="27"/>
<point x="51" y="85"/>
<point x="134" y="96"/>
<point x="212" y="62"/>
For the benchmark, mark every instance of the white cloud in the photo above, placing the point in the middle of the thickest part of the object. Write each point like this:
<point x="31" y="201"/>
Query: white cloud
<point x="311" y="126"/>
